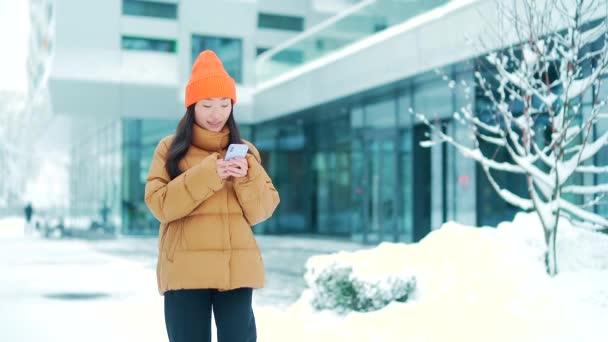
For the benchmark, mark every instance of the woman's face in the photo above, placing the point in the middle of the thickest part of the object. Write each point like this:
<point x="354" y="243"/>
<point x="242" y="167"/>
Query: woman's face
<point x="212" y="113"/>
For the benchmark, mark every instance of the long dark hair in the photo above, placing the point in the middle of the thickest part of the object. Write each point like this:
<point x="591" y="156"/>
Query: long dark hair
<point x="183" y="140"/>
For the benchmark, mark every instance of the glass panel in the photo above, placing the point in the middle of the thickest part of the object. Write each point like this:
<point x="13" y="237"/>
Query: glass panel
<point x="381" y="189"/>
<point x="354" y="24"/>
<point x="246" y="132"/>
<point x="291" y="56"/>
<point x="229" y="50"/>
<point x="149" y="9"/>
<point x="359" y="190"/>
<point x="421" y="171"/>
<point x="323" y="187"/>
<point x="280" y="22"/>
<point x="381" y="114"/>
<point x="291" y="166"/>
<point x="154" y="130"/>
<point x="461" y="178"/>
<point x="333" y="176"/>
<point x="265" y="139"/>
<point x="405" y="116"/>
<point x="406" y="157"/>
<point x="375" y="165"/>
<point x="387" y="191"/>
<point x="140" y="139"/>
<point x="148" y="44"/>
<point x="433" y="98"/>
<point x="261" y="50"/>
<point x="98" y="202"/>
<point x="357" y="119"/>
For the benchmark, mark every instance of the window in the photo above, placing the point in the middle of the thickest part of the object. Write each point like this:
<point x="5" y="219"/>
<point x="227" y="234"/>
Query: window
<point x="149" y="9"/>
<point x="280" y="22"/>
<point x="433" y="97"/>
<point x="148" y="44"/>
<point x="288" y="56"/>
<point x="381" y="113"/>
<point x="229" y="50"/>
<point x="261" y="50"/>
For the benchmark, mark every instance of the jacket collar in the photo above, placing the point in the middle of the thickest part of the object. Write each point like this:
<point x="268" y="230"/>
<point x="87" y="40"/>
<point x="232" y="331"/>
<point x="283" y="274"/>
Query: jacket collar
<point x="208" y="140"/>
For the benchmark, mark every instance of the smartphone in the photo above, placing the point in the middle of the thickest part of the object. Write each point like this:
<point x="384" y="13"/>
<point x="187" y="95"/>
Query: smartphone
<point x="236" y="151"/>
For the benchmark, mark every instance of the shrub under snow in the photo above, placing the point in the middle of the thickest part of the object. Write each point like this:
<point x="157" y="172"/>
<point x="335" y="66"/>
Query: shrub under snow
<point x="346" y="282"/>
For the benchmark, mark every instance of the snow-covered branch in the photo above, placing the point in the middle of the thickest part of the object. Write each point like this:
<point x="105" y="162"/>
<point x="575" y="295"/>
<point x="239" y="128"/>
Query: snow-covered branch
<point x="584" y="214"/>
<point x="473" y="153"/>
<point x="585" y="189"/>
<point x="591" y="169"/>
<point x="507" y="195"/>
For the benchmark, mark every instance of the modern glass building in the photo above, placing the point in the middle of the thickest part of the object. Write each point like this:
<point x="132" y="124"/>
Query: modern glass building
<point x="327" y="97"/>
<point x="355" y="167"/>
<point x="345" y="149"/>
<point x="118" y="78"/>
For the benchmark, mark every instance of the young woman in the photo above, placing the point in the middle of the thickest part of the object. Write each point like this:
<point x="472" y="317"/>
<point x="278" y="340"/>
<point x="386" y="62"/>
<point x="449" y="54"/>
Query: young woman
<point x="208" y="257"/>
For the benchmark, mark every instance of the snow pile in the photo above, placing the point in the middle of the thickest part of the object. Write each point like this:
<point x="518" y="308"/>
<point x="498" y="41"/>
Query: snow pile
<point x="578" y="249"/>
<point x="12" y="227"/>
<point x="582" y="258"/>
<point x="361" y="281"/>
<point x="472" y="284"/>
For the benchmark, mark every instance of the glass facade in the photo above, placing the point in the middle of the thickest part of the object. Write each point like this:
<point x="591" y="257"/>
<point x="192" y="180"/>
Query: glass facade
<point x="361" y="21"/>
<point x="229" y="50"/>
<point x="153" y="9"/>
<point x="114" y="180"/>
<point x="95" y="182"/>
<point x="140" y="138"/>
<point x="353" y="168"/>
<point x="365" y="175"/>
<point x="280" y="22"/>
<point x="148" y="44"/>
<point x="363" y="172"/>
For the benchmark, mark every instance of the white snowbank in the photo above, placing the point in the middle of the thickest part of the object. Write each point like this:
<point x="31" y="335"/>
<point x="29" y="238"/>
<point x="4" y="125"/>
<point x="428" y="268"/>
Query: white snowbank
<point x="474" y="284"/>
<point x="12" y="227"/>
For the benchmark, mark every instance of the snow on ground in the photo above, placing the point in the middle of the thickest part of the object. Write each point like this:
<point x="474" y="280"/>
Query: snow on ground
<point x="42" y="287"/>
<point x="12" y="227"/>
<point x="474" y="284"/>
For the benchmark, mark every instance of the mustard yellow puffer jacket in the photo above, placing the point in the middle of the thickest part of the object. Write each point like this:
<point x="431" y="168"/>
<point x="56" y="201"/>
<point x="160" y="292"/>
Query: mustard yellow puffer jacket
<point x="205" y="236"/>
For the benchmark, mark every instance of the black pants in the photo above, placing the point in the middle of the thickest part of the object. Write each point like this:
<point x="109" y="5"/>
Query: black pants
<point x="188" y="315"/>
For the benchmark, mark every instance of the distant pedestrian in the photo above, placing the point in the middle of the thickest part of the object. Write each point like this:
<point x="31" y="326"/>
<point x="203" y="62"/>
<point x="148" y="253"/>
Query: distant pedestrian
<point x="104" y="212"/>
<point x="28" y="212"/>
<point x="208" y="258"/>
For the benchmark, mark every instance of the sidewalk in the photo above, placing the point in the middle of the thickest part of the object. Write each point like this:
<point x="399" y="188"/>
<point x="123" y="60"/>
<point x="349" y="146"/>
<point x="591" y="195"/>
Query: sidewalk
<point x="75" y="290"/>
<point x="284" y="258"/>
<point x="64" y="291"/>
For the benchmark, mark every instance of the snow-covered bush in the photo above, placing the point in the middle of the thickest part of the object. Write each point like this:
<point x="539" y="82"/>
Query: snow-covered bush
<point x="332" y="287"/>
<point x="342" y="283"/>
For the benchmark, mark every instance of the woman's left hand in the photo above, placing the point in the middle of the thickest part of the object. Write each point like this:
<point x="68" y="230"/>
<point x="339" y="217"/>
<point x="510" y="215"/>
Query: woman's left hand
<point x="238" y="167"/>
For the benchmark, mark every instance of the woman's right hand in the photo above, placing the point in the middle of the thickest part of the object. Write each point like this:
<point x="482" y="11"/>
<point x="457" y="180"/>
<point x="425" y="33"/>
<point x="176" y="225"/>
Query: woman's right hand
<point x="226" y="169"/>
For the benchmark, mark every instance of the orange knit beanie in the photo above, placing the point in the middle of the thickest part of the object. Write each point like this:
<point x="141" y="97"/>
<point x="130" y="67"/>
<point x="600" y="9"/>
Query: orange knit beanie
<point x="209" y="79"/>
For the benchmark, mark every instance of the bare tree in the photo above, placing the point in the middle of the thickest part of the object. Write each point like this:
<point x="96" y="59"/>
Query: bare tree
<point x="535" y="88"/>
